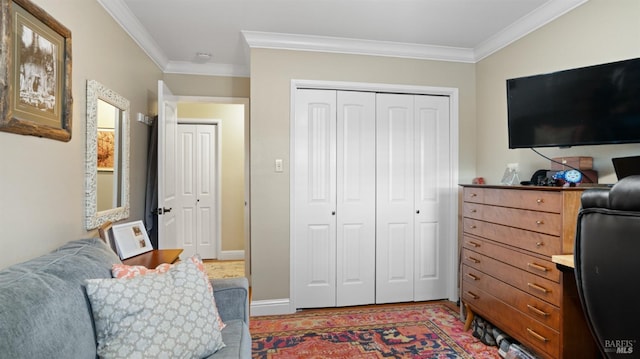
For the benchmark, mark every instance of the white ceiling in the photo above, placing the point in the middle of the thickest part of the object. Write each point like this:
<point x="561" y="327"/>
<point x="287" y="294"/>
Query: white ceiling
<point x="172" y="32"/>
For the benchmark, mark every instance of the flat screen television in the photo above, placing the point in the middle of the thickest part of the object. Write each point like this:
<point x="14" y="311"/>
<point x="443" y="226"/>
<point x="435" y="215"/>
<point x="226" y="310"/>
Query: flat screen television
<point x="592" y="105"/>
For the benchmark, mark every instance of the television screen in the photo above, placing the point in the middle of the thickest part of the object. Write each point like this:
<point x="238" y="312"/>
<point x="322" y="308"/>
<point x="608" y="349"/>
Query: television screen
<point x="586" y="106"/>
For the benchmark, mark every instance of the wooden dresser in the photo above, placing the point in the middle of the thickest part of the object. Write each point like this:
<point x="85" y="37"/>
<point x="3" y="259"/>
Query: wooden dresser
<point x="507" y="277"/>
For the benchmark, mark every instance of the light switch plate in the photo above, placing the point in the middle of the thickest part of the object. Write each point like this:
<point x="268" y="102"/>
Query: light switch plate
<point x="279" y="165"/>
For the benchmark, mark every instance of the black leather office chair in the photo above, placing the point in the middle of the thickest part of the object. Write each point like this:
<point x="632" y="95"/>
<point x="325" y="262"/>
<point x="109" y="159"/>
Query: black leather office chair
<point x="607" y="266"/>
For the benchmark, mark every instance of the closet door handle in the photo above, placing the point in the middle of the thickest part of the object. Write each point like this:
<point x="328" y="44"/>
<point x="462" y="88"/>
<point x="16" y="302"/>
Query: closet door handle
<point x="418" y="212"/>
<point x="333" y="213"/>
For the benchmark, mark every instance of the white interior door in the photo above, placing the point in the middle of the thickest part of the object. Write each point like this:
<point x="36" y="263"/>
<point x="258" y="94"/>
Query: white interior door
<point x="197" y="207"/>
<point x="432" y="169"/>
<point x="356" y="198"/>
<point x="314" y="166"/>
<point x="395" y="198"/>
<point x="167" y="181"/>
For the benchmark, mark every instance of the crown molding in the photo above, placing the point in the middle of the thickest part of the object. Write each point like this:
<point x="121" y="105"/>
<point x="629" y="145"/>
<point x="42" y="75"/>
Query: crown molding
<point x="256" y="39"/>
<point x="523" y="27"/>
<point x="121" y="13"/>
<point x="270" y="40"/>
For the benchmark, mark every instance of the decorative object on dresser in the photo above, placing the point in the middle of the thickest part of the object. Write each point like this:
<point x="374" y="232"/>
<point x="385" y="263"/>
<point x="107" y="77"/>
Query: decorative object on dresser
<point x="563" y="167"/>
<point x="509" y="236"/>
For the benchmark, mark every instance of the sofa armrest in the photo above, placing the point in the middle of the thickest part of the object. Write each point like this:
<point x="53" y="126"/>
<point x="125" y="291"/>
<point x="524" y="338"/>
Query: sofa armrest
<point x="232" y="298"/>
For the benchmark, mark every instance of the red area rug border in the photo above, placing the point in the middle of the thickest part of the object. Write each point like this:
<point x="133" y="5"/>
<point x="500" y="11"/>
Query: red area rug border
<point x="311" y="322"/>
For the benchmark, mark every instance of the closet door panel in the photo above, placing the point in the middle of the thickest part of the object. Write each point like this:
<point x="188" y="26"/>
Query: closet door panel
<point x="186" y="211"/>
<point x="206" y="148"/>
<point x="431" y="175"/>
<point x="395" y="198"/>
<point x="315" y="198"/>
<point x="355" y="198"/>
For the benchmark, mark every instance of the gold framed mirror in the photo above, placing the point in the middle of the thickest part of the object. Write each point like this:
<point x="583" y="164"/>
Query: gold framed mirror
<point x="107" y="161"/>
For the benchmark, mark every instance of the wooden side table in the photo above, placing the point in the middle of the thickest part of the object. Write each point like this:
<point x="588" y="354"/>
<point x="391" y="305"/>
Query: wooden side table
<point x="154" y="258"/>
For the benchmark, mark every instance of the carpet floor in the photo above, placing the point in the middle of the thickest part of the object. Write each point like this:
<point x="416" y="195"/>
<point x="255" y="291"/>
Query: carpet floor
<point x="224" y="269"/>
<point x="416" y="330"/>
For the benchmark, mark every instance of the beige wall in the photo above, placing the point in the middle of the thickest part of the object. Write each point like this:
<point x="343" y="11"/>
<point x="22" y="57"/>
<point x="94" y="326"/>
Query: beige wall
<point x="215" y="86"/>
<point x="231" y="118"/>
<point x="597" y="32"/>
<point x="42" y="180"/>
<point x="271" y="73"/>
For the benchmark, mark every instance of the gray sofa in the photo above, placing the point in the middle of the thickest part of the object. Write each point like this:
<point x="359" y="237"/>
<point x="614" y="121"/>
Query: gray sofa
<point x="45" y="313"/>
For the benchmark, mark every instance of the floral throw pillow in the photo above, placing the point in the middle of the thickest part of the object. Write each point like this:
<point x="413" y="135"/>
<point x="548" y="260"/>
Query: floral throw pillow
<point x="155" y="315"/>
<point x="126" y="271"/>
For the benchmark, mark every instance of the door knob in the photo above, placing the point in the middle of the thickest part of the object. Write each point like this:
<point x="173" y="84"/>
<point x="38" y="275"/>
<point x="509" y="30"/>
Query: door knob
<point x="333" y="213"/>
<point x="160" y="211"/>
<point x="418" y="212"/>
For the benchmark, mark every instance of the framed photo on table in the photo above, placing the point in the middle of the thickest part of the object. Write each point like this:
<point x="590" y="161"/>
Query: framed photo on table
<point x="35" y="72"/>
<point x="131" y="239"/>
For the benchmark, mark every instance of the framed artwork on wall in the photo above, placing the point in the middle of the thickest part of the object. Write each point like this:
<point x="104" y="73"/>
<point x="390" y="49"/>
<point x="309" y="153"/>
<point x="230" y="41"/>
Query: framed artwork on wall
<point x="35" y="72"/>
<point x="106" y="149"/>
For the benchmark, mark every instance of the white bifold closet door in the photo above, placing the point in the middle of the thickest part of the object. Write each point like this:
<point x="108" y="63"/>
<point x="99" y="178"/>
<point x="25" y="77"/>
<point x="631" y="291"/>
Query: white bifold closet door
<point x="334" y="206"/>
<point x="197" y="202"/>
<point x="412" y="171"/>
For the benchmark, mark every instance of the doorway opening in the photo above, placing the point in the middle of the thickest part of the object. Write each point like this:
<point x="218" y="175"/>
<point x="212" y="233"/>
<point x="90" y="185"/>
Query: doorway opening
<point x="232" y="117"/>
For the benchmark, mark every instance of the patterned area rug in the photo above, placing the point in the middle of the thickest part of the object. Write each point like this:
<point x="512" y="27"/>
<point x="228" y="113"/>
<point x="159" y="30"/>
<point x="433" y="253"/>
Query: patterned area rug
<point x="224" y="269"/>
<point x="422" y="330"/>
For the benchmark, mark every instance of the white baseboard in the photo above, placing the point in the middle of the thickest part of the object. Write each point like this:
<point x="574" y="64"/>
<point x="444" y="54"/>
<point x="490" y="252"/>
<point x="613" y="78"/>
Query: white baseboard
<point x="271" y="307"/>
<point x="231" y="255"/>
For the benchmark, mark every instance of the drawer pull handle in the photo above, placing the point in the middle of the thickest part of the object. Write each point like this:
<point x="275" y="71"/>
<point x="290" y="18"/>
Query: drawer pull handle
<point x="538" y="288"/>
<point x="474" y="244"/>
<point x="537" y="336"/>
<point x="473" y="226"/>
<point x="474" y="260"/>
<point x="539" y="244"/>
<point x="473" y="295"/>
<point x="537" y="267"/>
<point x="539" y="200"/>
<point x="539" y="222"/>
<point x="474" y="195"/>
<point x="472" y="276"/>
<point x="537" y="311"/>
<point x="474" y="210"/>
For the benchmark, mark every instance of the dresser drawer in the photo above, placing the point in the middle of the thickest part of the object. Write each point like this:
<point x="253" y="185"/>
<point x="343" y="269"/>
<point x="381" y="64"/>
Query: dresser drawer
<point x="535" y="308"/>
<point x="473" y="194"/>
<point x="530" y="332"/>
<point x="472" y="210"/>
<point x="525" y="199"/>
<point x="531" y="264"/>
<point x="544" y="244"/>
<point x="542" y="288"/>
<point x="543" y="222"/>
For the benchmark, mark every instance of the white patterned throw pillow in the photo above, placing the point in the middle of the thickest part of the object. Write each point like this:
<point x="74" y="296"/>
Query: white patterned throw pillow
<point x="167" y="315"/>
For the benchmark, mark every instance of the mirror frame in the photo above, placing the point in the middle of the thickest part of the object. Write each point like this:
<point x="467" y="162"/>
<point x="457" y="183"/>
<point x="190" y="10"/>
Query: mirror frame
<point x="94" y="219"/>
